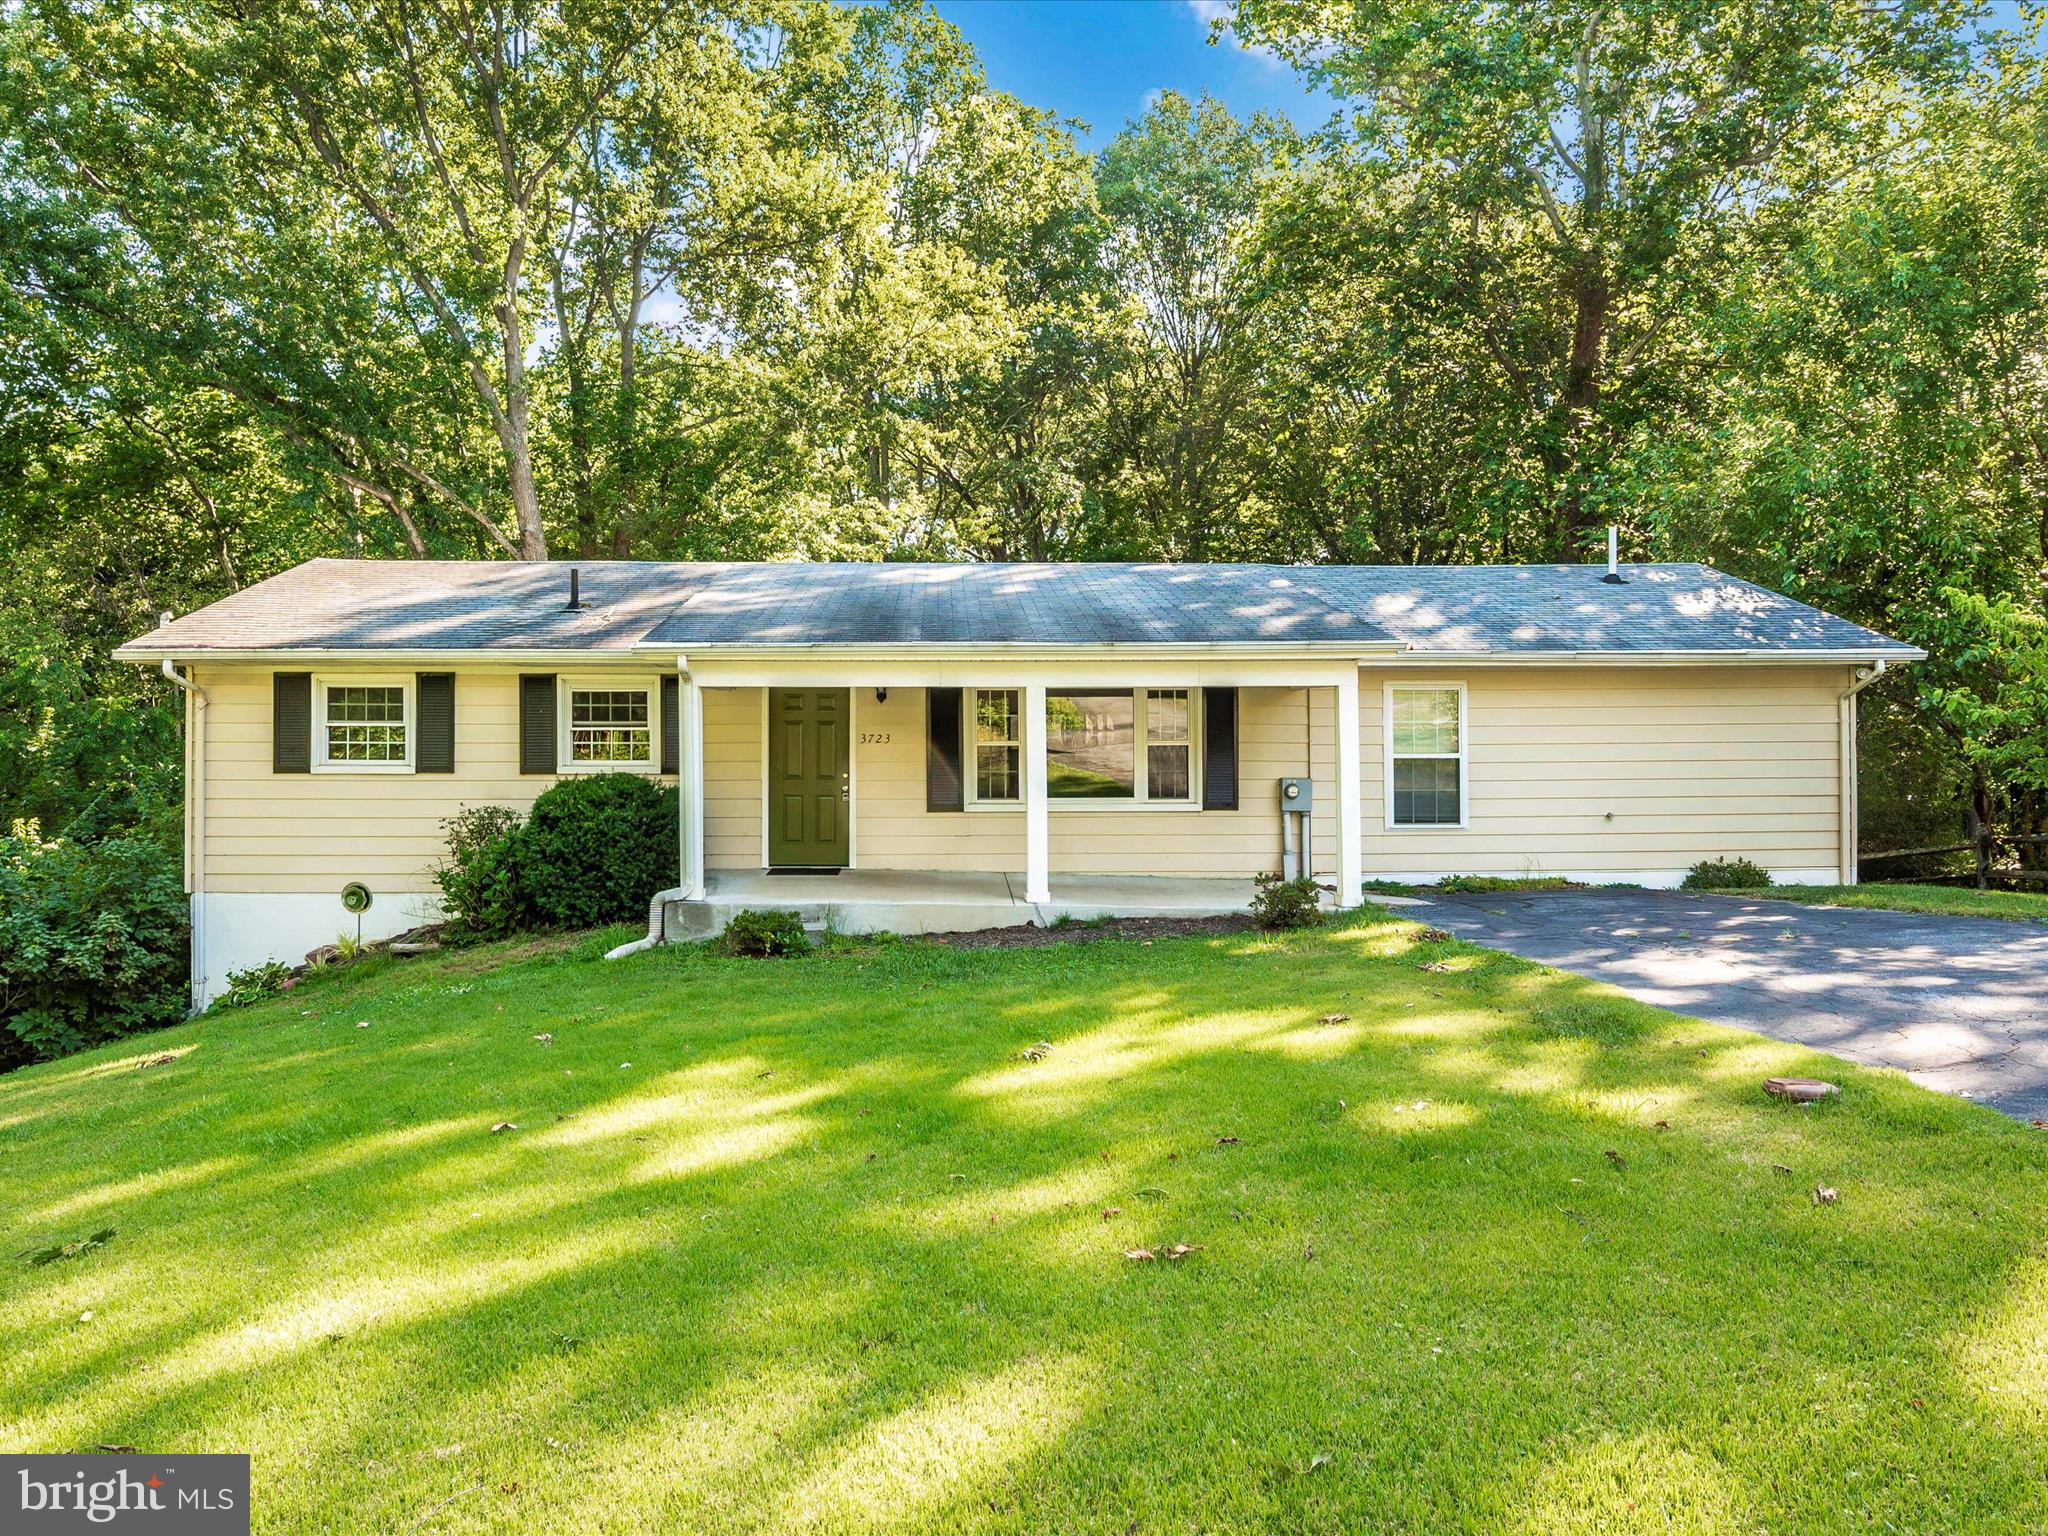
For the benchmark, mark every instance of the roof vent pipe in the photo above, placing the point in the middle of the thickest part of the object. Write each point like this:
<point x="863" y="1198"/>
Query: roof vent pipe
<point x="1614" y="556"/>
<point x="575" y="590"/>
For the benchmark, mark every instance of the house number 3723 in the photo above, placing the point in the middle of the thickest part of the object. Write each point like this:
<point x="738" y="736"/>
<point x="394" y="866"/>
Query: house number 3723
<point x="874" y="738"/>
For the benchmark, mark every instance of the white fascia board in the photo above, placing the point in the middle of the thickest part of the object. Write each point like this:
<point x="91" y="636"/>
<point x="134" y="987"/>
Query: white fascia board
<point x="1420" y="658"/>
<point x="446" y="660"/>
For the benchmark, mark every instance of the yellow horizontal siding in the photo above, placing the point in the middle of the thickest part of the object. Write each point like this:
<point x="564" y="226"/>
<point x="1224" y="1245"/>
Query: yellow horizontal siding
<point x="1588" y="769"/>
<point x="315" y="832"/>
<point x="1625" y="769"/>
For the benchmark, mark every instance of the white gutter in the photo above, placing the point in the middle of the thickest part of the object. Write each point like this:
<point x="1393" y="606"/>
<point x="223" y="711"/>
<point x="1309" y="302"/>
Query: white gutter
<point x="1851" y="791"/>
<point x="195" y="812"/>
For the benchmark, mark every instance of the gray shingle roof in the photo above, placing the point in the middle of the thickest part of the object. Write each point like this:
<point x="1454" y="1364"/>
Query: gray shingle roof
<point x="435" y="606"/>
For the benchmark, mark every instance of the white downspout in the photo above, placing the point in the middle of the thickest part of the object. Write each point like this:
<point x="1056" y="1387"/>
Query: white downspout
<point x="1851" y="807"/>
<point x="689" y="812"/>
<point x="195" y="817"/>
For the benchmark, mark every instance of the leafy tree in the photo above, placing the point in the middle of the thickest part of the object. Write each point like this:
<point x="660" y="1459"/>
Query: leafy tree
<point x="1580" y="179"/>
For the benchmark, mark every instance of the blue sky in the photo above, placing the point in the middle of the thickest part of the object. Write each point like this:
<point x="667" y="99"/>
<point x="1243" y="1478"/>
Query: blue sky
<point x="1101" y="60"/>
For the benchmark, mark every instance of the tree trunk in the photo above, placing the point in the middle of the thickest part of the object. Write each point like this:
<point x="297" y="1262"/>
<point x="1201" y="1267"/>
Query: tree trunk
<point x="512" y="422"/>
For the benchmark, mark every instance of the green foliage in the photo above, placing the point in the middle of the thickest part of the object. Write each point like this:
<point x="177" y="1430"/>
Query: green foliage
<point x="479" y="876"/>
<point x="1727" y="875"/>
<point x="765" y="933"/>
<point x="596" y="848"/>
<point x="1479" y="884"/>
<point x="1279" y="903"/>
<point x="92" y="943"/>
<point x="254" y="984"/>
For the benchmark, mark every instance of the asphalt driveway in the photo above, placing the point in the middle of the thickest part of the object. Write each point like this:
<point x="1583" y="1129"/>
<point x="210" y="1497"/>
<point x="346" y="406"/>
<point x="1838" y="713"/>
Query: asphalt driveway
<point x="1958" y="1003"/>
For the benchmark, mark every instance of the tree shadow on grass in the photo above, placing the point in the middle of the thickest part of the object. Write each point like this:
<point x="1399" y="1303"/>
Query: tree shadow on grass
<point x="830" y="1253"/>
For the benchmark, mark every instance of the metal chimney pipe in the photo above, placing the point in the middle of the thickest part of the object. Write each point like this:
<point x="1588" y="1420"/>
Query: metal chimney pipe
<point x="575" y="590"/>
<point x="1613" y="555"/>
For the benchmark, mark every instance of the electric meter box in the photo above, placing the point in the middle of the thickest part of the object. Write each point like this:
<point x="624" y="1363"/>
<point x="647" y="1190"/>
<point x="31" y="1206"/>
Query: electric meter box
<point x="1297" y="794"/>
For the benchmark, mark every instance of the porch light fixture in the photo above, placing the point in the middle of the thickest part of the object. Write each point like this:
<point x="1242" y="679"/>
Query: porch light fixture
<point x="881" y="695"/>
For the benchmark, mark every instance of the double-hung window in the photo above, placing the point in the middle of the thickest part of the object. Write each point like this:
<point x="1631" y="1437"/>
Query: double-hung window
<point x="363" y="725"/>
<point x="606" y="725"/>
<point x="1426" y="756"/>
<point x="1103" y="746"/>
<point x="998" y="753"/>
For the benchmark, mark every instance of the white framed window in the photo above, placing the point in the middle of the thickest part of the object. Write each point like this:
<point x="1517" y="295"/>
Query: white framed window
<point x="607" y="725"/>
<point x="362" y="724"/>
<point x="998" y="746"/>
<point x="1425" y="731"/>
<point x="1104" y="747"/>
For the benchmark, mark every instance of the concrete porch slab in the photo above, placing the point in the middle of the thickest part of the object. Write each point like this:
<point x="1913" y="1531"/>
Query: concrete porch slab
<point x="937" y="901"/>
<point x="934" y="901"/>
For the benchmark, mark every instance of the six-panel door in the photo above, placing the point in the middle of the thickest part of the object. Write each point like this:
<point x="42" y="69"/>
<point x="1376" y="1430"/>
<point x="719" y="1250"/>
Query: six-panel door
<point x="808" y="760"/>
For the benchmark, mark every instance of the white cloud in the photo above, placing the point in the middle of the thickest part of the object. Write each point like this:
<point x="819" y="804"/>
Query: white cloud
<point x="1211" y="12"/>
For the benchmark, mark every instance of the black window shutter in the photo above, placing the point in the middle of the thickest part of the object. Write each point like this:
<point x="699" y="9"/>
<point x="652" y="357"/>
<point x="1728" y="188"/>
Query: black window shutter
<point x="537" y="722"/>
<point x="671" y="730"/>
<point x="1219" y="749"/>
<point x="291" y="722"/>
<point x="943" y="786"/>
<point x="434" y="700"/>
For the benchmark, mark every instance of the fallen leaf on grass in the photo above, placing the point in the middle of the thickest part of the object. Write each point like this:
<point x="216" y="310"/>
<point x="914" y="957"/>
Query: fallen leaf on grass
<point x="443" y="1452"/>
<point x="1321" y="1459"/>
<point x="1109" y="1211"/>
<point x="1335" y="1018"/>
<point x="50" y="1255"/>
<point x="1435" y="967"/>
<point x="1308" y="1249"/>
<point x="1616" y="1158"/>
<point x="1434" y="936"/>
<point x="159" y="1061"/>
<point x="503" y="1125"/>
<point x="1779" y="1168"/>
<point x="1172" y="1255"/>
<point x="545" y="1039"/>
<point x="1226" y="1141"/>
<point x="1037" y="1052"/>
<point x="1825" y="1194"/>
<point x="362" y="1023"/>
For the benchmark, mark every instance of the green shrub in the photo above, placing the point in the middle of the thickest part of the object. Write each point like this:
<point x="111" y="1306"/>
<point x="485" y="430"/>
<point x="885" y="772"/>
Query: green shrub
<point x="1282" y="903"/>
<point x="1727" y="875"/>
<point x="596" y="849"/>
<point x="1480" y="884"/>
<point x="765" y="934"/>
<point x="481" y="889"/>
<point x="254" y="984"/>
<point x="93" y="943"/>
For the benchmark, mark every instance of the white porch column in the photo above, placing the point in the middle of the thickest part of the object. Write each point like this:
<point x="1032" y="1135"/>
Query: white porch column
<point x="690" y="784"/>
<point x="1350" y="831"/>
<point x="1037" y="841"/>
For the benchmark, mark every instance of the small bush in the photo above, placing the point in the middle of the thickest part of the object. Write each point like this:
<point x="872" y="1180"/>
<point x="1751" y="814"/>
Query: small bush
<point x="1727" y="875"/>
<point x="480" y="883"/>
<point x="254" y="984"/>
<point x="765" y="934"/>
<point x="596" y="849"/>
<point x="1475" y="885"/>
<point x="1282" y="903"/>
<point x="93" y="943"/>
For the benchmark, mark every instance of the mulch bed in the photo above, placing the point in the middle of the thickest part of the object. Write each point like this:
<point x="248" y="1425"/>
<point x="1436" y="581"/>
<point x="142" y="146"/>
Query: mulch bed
<point x="1089" y="933"/>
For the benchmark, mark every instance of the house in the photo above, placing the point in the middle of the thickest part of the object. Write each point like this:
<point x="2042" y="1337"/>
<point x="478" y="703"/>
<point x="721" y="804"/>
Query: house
<point x="980" y="743"/>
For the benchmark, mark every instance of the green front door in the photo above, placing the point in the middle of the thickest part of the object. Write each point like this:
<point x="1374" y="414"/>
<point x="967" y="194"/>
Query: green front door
<point x="808" y="790"/>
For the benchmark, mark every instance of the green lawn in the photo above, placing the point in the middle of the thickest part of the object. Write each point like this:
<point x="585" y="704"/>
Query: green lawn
<point x="809" y="1245"/>
<point x="1950" y="900"/>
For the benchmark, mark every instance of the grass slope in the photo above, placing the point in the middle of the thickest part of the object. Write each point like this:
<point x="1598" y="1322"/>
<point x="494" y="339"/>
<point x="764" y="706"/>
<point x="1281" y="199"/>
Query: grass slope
<point x="809" y="1246"/>
<point x="1948" y="900"/>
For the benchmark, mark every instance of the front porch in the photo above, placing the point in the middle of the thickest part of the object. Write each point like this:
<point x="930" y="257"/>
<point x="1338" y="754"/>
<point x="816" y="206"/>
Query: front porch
<point x="936" y="901"/>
